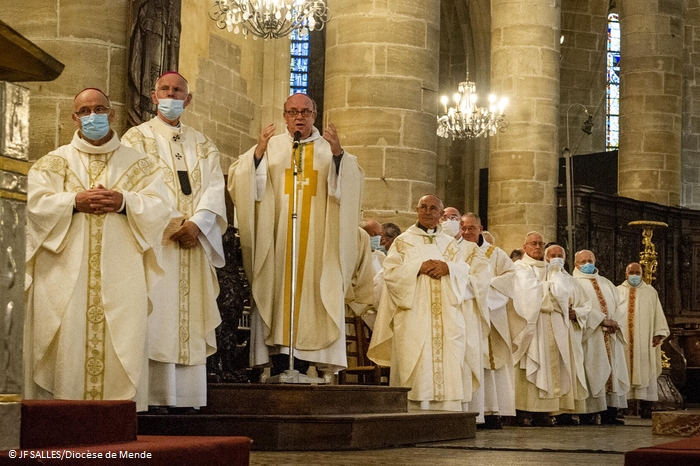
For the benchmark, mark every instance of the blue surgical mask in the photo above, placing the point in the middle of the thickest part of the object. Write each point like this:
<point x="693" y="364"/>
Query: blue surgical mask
<point x="634" y="280"/>
<point x="94" y="127"/>
<point x="374" y="242"/>
<point x="171" y="108"/>
<point x="587" y="268"/>
<point x="558" y="261"/>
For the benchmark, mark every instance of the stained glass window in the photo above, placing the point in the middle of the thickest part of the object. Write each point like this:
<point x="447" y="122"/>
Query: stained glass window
<point x="299" y="67"/>
<point x="612" y="107"/>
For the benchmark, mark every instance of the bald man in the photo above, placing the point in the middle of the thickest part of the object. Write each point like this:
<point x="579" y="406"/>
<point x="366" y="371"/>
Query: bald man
<point x="95" y="214"/>
<point x="329" y="191"/>
<point x="603" y="345"/>
<point x="185" y="314"/>
<point x="644" y="326"/>
<point x="421" y="329"/>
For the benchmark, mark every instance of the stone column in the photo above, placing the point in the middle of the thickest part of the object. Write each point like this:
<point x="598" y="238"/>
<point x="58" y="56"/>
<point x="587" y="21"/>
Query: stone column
<point x="14" y="145"/>
<point x="382" y="61"/>
<point x="524" y="160"/>
<point x="650" y="101"/>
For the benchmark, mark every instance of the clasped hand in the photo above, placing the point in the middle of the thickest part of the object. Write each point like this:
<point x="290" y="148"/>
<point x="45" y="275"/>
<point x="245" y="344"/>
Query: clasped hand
<point x="609" y="326"/>
<point x="98" y="200"/>
<point x="187" y="236"/>
<point x="434" y="268"/>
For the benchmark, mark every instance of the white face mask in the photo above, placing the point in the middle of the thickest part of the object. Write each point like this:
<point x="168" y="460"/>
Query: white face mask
<point x="450" y="227"/>
<point x="558" y="261"/>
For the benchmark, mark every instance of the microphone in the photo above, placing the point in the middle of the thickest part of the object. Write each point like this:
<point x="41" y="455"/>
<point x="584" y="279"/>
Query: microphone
<point x="297" y="138"/>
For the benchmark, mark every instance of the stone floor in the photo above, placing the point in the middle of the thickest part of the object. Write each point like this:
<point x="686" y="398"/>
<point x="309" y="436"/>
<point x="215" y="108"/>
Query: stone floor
<point x="536" y="446"/>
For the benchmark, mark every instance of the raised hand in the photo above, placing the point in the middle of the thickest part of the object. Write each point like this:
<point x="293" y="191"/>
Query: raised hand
<point x="264" y="138"/>
<point x="331" y="135"/>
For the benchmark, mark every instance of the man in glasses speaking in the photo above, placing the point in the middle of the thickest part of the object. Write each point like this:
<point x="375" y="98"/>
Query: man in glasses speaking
<point x="329" y="192"/>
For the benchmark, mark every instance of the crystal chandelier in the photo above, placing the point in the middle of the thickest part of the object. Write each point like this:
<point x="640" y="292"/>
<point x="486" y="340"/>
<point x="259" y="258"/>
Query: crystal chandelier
<point x="468" y="121"/>
<point x="269" y="19"/>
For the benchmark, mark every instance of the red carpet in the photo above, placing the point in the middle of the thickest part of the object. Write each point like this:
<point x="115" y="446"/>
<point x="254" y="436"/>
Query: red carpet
<point x="104" y="432"/>
<point x="684" y="452"/>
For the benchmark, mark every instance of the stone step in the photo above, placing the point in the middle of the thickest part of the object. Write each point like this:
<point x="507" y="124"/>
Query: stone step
<point x="305" y="400"/>
<point x="682" y="423"/>
<point x="318" y="432"/>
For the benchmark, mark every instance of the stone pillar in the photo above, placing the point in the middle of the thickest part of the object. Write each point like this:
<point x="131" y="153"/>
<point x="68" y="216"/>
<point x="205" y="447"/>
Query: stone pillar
<point x="381" y="93"/>
<point x="691" y="102"/>
<point x="14" y="144"/>
<point x="650" y="101"/>
<point x="524" y="160"/>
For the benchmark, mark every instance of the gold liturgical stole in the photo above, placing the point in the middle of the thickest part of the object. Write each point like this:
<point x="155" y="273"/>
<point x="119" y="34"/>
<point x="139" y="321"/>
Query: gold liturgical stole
<point x="307" y="184"/>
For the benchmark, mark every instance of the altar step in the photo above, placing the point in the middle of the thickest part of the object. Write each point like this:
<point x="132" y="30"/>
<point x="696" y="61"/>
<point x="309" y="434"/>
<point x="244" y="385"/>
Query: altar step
<point x="681" y="423"/>
<point x="313" y="417"/>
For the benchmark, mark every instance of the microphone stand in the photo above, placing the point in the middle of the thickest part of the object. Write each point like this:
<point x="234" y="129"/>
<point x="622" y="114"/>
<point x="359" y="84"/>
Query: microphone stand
<point x="291" y="375"/>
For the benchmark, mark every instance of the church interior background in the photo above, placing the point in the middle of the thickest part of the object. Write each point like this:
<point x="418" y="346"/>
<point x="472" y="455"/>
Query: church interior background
<point x="377" y="70"/>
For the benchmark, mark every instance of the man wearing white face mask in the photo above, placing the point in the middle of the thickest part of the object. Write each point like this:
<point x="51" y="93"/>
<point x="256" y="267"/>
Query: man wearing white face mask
<point x="95" y="213"/>
<point x="450" y="223"/>
<point x="181" y="326"/>
<point x="644" y="326"/>
<point x="603" y="345"/>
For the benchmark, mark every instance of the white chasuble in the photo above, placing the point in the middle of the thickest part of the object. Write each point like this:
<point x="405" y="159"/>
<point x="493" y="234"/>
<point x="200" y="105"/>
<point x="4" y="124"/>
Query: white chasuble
<point x="604" y="355"/>
<point x="328" y="210"/>
<point x="88" y="275"/>
<point x="185" y="314"/>
<point x="421" y="329"/>
<point x="539" y="331"/>
<point x="641" y="319"/>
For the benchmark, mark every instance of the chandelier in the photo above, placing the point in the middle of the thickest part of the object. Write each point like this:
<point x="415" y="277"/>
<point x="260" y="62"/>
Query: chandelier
<point x="466" y="120"/>
<point x="269" y="19"/>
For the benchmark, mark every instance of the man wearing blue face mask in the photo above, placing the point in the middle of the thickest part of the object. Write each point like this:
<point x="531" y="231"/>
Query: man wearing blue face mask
<point x="181" y="326"/>
<point x="603" y="345"/>
<point x="644" y="326"/>
<point x="96" y="210"/>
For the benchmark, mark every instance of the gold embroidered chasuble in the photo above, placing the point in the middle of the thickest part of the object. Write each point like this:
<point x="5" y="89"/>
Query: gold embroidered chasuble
<point x="185" y="314"/>
<point x="88" y="275"/>
<point x="605" y="366"/>
<point x="421" y="329"/>
<point x="328" y="212"/>
<point x="645" y="317"/>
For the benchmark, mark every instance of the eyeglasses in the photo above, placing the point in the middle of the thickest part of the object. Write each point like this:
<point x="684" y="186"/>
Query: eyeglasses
<point x="450" y="217"/>
<point x="425" y="208"/>
<point x="294" y="112"/>
<point x="535" y="244"/>
<point x="471" y="228"/>
<point x="100" y="110"/>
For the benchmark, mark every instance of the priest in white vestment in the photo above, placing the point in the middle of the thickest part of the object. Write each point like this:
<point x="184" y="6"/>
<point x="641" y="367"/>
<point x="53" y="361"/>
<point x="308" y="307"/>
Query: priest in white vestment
<point x="329" y="192"/>
<point x="539" y="320"/>
<point x="95" y="213"/>
<point x="181" y="328"/>
<point x="421" y="330"/>
<point x="603" y="344"/>
<point x="644" y="326"/>
<point x="499" y="392"/>
<point x="578" y="309"/>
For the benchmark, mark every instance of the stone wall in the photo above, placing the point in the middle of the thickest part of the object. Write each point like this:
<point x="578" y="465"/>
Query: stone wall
<point x="583" y="73"/>
<point x="90" y="38"/>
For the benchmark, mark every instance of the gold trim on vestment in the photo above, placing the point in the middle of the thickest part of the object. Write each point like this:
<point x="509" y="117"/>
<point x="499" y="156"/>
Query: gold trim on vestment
<point x="437" y="333"/>
<point x="606" y="337"/>
<point x="630" y="325"/>
<point x="307" y="183"/>
<point x="95" y="325"/>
